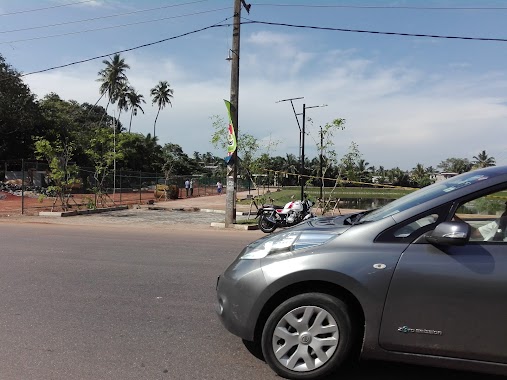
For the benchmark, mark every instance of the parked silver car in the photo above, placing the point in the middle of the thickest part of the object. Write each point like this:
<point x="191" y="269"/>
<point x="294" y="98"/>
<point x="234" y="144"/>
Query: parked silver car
<point x="421" y="280"/>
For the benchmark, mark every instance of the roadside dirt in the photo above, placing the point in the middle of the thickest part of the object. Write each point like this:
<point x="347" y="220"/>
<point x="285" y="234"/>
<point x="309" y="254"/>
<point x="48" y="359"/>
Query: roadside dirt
<point x="11" y="204"/>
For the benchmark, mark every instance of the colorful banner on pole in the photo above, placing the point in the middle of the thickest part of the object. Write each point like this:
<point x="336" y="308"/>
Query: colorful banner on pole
<point x="231" y="136"/>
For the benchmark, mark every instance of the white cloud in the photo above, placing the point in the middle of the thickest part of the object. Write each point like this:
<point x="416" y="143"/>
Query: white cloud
<point x="398" y="116"/>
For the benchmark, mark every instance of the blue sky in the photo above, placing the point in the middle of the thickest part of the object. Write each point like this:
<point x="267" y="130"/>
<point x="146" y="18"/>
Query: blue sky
<point x="406" y="99"/>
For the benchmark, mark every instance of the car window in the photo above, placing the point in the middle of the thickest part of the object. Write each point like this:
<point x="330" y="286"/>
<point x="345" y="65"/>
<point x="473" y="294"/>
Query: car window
<point x="487" y="217"/>
<point x="410" y="228"/>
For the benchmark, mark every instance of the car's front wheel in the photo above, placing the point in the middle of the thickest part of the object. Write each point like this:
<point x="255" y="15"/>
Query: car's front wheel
<point x="307" y="336"/>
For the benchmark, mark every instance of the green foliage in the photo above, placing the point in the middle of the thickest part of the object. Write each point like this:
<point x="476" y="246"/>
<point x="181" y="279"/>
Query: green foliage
<point x="455" y="165"/>
<point x="90" y="203"/>
<point x="161" y="96"/>
<point x="482" y="160"/>
<point x="20" y="117"/>
<point x="488" y="206"/>
<point x="62" y="176"/>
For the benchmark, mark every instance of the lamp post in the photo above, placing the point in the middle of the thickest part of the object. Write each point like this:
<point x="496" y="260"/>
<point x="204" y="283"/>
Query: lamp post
<point x="296" y="116"/>
<point x="297" y="120"/>
<point x="303" y="147"/>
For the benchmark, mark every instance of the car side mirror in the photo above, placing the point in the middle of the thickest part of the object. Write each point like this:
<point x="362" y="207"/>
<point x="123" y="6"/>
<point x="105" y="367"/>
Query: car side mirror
<point x="450" y="233"/>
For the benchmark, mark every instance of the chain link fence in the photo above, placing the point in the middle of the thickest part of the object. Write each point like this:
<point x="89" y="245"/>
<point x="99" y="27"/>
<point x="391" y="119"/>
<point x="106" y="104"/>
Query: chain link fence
<point x="24" y="188"/>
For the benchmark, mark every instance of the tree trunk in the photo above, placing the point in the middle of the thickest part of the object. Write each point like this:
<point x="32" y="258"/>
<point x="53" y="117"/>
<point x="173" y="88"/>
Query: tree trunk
<point x="155" y="123"/>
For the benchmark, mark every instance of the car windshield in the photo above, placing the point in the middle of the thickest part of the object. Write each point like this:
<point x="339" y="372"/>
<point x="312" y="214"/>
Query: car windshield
<point x="425" y="194"/>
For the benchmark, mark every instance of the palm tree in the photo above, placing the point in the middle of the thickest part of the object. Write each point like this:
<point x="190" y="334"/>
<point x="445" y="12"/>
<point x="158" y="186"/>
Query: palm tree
<point x="111" y="77"/>
<point x="134" y="100"/>
<point x="482" y="160"/>
<point x="162" y="94"/>
<point x="122" y="92"/>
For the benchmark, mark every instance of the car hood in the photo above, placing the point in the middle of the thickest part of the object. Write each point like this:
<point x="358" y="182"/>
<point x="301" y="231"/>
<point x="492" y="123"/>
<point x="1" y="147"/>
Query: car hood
<point x="335" y="223"/>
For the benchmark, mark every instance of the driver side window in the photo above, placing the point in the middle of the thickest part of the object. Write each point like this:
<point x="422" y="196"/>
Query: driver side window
<point x="487" y="217"/>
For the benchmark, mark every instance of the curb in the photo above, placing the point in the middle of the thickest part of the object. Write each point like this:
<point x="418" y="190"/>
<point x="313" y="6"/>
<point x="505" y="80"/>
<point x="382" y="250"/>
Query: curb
<point x="238" y="213"/>
<point x="80" y="212"/>
<point x="245" y="227"/>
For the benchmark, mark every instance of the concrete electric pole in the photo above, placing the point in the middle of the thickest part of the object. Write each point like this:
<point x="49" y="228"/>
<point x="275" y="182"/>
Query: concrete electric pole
<point x="232" y="165"/>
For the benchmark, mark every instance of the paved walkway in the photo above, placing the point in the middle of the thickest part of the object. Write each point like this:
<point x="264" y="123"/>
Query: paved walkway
<point x="212" y="213"/>
<point x="217" y="203"/>
<point x="208" y="202"/>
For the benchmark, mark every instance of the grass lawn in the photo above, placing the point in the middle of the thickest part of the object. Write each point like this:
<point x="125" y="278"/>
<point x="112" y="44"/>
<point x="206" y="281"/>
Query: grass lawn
<point x="283" y="195"/>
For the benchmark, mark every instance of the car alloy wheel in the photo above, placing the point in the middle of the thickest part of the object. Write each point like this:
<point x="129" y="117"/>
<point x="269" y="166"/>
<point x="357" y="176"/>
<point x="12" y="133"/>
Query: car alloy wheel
<point x="307" y="336"/>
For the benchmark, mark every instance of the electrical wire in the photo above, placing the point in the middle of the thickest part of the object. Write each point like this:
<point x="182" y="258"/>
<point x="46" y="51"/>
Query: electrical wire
<point x="378" y="7"/>
<point x="375" y="32"/>
<point x="46" y="8"/>
<point x="112" y="27"/>
<point x="219" y="24"/>
<point x="99" y="18"/>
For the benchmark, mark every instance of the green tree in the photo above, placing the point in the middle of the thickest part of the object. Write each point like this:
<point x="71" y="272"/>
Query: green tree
<point x="134" y="103"/>
<point x="420" y="176"/>
<point x="482" y="160"/>
<point x="102" y="152"/>
<point x="122" y="98"/>
<point x="349" y="163"/>
<point x="62" y="175"/>
<point x="161" y="96"/>
<point x="328" y="157"/>
<point x="455" y="165"/>
<point x="20" y="117"/>
<point x="248" y="148"/>
<point x="111" y="78"/>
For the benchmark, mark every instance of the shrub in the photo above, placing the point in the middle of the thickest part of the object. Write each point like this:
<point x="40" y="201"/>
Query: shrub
<point x="173" y="192"/>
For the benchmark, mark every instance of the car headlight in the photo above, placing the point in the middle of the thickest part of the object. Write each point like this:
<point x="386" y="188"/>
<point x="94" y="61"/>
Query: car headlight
<point x="283" y="243"/>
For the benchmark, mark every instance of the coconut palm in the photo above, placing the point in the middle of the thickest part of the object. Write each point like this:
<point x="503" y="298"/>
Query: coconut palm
<point x="122" y="92"/>
<point x="482" y="160"/>
<point x="111" y="77"/>
<point x="162" y="94"/>
<point x="134" y="100"/>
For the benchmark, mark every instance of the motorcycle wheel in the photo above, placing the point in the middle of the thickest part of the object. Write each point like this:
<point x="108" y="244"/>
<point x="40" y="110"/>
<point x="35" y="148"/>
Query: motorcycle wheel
<point x="265" y="225"/>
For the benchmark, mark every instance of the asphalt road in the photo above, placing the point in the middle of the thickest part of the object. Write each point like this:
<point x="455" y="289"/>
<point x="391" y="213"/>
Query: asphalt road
<point x="120" y="302"/>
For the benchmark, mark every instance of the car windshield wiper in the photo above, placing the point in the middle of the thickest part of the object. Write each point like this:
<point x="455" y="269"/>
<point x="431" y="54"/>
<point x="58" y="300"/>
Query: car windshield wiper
<point x="356" y="218"/>
<point x="351" y="220"/>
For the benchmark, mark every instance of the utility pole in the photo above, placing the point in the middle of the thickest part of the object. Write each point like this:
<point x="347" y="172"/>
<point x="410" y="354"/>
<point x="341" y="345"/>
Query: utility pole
<point x="321" y="168"/>
<point x="303" y="154"/>
<point x="232" y="165"/>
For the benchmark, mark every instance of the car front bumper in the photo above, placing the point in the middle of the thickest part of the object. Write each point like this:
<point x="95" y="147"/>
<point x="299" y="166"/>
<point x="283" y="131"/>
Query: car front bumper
<point x="239" y="297"/>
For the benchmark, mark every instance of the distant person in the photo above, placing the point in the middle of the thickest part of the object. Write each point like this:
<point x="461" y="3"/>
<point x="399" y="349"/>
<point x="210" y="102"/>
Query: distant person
<point x="219" y="187"/>
<point x="187" y="186"/>
<point x="191" y="185"/>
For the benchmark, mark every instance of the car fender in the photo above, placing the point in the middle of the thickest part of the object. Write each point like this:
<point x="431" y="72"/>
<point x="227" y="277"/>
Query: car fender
<point x="368" y="288"/>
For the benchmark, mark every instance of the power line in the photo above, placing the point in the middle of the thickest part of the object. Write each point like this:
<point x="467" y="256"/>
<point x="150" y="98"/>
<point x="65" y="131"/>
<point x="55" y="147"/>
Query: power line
<point x="112" y="27"/>
<point x="378" y="7"/>
<point x="46" y="8"/>
<point x="219" y="24"/>
<point x="376" y="32"/>
<point x="100" y="17"/>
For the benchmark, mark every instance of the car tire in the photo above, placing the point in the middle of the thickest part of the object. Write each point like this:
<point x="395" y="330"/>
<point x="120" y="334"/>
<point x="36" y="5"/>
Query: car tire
<point x="308" y="336"/>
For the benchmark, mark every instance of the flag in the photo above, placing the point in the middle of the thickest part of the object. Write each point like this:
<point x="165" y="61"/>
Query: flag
<point x="231" y="136"/>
